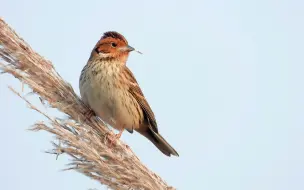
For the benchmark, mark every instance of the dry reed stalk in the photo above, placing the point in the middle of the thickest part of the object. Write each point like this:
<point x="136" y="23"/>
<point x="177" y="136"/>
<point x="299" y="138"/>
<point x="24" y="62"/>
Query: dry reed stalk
<point x="84" y="140"/>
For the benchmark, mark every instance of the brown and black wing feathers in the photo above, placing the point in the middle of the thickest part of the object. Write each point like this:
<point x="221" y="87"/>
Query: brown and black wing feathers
<point x="152" y="131"/>
<point x="136" y="92"/>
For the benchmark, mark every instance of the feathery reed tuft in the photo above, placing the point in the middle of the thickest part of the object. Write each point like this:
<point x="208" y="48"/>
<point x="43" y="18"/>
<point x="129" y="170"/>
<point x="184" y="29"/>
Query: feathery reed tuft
<point x="84" y="140"/>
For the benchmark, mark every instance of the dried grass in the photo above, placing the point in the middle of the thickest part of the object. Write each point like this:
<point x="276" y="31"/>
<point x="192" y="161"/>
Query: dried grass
<point x="84" y="140"/>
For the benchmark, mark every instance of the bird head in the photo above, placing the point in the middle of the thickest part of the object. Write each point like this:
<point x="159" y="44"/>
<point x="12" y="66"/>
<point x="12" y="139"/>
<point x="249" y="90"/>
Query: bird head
<point x="112" y="45"/>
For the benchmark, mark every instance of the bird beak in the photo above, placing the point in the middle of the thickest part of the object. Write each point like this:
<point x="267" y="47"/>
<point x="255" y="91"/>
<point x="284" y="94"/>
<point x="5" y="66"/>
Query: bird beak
<point x="128" y="48"/>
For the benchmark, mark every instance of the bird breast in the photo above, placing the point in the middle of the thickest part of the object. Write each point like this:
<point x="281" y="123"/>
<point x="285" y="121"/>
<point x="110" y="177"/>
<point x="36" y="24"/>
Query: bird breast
<point x="102" y="90"/>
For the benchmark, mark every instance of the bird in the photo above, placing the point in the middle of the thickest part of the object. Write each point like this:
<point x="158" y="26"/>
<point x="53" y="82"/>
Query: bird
<point x="109" y="88"/>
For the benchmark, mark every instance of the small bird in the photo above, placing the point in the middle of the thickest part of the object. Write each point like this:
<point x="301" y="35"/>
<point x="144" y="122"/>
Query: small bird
<point x="109" y="88"/>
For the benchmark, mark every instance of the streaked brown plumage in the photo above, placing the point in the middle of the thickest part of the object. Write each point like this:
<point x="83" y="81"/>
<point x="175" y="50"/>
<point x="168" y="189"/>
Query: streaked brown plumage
<point x="110" y="89"/>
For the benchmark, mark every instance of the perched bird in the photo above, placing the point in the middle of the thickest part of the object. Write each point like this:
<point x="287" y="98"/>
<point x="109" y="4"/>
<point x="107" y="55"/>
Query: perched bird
<point x="110" y="89"/>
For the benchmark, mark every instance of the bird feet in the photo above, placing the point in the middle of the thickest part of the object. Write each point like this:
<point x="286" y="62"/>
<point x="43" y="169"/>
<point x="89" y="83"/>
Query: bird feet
<point x="119" y="134"/>
<point x="87" y="115"/>
<point x="112" y="139"/>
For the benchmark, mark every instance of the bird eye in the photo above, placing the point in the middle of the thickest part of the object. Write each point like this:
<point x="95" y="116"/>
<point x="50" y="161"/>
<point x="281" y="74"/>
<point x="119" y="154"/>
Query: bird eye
<point x="113" y="44"/>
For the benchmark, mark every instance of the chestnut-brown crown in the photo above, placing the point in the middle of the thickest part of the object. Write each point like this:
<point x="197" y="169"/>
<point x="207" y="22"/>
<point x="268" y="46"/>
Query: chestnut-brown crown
<point x="111" y="43"/>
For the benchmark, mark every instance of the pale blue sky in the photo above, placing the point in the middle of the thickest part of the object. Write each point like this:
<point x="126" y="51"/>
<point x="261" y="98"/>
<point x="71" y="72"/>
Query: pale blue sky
<point x="224" y="78"/>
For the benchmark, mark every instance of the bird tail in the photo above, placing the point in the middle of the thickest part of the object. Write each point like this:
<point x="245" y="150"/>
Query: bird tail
<point x="159" y="142"/>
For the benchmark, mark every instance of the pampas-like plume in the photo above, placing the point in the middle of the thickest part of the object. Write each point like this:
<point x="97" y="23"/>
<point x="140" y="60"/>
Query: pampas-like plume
<point x="86" y="141"/>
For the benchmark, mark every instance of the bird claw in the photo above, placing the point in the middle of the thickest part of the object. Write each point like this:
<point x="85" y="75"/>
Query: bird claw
<point x="113" y="138"/>
<point x="87" y="115"/>
<point x="119" y="134"/>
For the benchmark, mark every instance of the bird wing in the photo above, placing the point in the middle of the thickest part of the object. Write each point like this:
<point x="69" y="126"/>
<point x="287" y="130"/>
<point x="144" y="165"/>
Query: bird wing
<point x="136" y="92"/>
